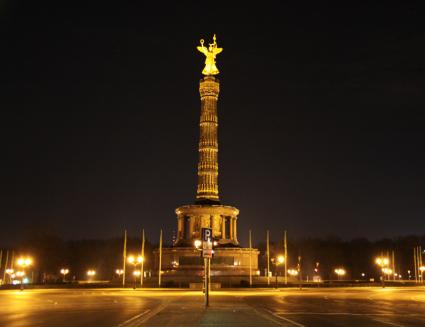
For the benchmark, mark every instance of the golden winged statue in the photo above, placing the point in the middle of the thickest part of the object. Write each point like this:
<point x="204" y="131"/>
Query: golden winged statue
<point x="210" y="53"/>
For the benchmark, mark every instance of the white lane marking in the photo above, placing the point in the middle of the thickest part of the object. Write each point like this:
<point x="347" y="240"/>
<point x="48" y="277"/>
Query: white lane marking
<point x="388" y="323"/>
<point x="133" y="318"/>
<point x="286" y="319"/>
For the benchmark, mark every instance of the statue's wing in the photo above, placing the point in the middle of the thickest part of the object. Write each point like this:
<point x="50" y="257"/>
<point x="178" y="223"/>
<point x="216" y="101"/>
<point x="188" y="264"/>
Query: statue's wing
<point x="202" y="49"/>
<point x="218" y="50"/>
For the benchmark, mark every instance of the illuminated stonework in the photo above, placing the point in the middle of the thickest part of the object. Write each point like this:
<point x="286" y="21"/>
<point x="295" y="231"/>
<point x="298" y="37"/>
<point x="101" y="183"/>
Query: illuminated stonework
<point x="207" y="212"/>
<point x="209" y="89"/>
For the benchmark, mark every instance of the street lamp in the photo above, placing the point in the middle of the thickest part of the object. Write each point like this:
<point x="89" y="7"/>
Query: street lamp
<point x="135" y="261"/>
<point x="64" y="272"/>
<point x="382" y="262"/>
<point x="91" y="273"/>
<point x="278" y="260"/>
<point x="136" y="274"/>
<point x="23" y="262"/>
<point x="387" y="271"/>
<point x="422" y="270"/>
<point x="21" y="275"/>
<point x="119" y="272"/>
<point x="340" y="272"/>
<point x="197" y="243"/>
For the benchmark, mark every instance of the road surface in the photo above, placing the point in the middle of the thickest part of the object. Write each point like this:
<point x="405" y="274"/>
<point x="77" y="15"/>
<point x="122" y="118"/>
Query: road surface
<point x="285" y="307"/>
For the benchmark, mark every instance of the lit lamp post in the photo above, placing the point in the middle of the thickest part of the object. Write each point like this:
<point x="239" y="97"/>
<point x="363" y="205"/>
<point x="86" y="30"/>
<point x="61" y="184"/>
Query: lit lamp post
<point x="280" y="259"/>
<point x="197" y="244"/>
<point x="387" y="271"/>
<point x="21" y="275"/>
<point x="90" y="274"/>
<point x="340" y="272"/>
<point x="135" y="261"/>
<point x="64" y="272"/>
<point x="136" y="274"/>
<point x="382" y="263"/>
<point x="293" y="272"/>
<point x="23" y="262"/>
<point x="422" y="270"/>
<point x="119" y="272"/>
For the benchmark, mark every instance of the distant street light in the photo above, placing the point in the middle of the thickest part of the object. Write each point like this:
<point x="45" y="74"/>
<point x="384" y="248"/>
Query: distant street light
<point x="422" y="270"/>
<point x="64" y="272"/>
<point x="136" y="274"/>
<point x="340" y="272"/>
<point x="382" y="262"/>
<point x="21" y="275"/>
<point x="91" y="273"/>
<point x="119" y="272"/>
<point x="197" y="243"/>
<point x="293" y="272"/>
<point x="280" y="259"/>
<point x="23" y="262"/>
<point x="135" y="261"/>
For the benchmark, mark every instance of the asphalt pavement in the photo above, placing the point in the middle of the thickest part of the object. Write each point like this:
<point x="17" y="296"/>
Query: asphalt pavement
<point x="243" y="307"/>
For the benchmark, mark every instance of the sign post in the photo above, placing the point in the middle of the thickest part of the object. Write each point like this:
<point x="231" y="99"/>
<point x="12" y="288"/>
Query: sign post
<point x="207" y="252"/>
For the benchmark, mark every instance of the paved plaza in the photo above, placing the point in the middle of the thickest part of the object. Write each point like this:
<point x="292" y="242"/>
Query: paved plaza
<point x="151" y="307"/>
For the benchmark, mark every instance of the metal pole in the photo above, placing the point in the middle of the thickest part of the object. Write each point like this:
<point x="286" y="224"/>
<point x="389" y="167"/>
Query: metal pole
<point x="420" y="262"/>
<point x="12" y="261"/>
<point x="286" y="258"/>
<point x="250" y="258"/>
<point x="160" y="259"/>
<point x="124" y="257"/>
<point x="206" y="264"/>
<point x="414" y="263"/>
<point x="268" y="258"/>
<point x="300" y="278"/>
<point x="5" y="266"/>
<point x="143" y="258"/>
<point x="393" y="262"/>
<point x="275" y="270"/>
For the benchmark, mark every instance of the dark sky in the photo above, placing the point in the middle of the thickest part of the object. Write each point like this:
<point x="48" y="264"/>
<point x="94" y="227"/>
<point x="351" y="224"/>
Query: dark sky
<point x="321" y="113"/>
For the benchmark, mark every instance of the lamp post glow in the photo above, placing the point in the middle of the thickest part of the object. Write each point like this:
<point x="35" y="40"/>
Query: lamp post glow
<point x="422" y="270"/>
<point x="197" y="243"/>
<point x="90" y="274"/>
<point x="119" y="272"/>
<point x="135" y="261"/>
<point x="280" y="259"/>
<point x="340" y="272"/>
<point x="64" y="272"/>
<point x="136" y="274"/>
<point x="383" y="263"/>
<point x="23" y="262"/>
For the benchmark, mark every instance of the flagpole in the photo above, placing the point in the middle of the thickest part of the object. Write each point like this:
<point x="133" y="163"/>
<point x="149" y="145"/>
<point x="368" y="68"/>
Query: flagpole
<point x="286" y="258"/>
<point x="250" y="258"/>
<point x="143" y="257"/>
<point x="124" y="255"/>
<point x="160" y="259"/>
<point x="5" y="266"/>
<point x="268" y="257"/>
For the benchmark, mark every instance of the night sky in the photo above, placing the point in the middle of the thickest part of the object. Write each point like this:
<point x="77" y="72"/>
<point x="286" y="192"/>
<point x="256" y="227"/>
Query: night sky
<point x="321" y="117"/>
